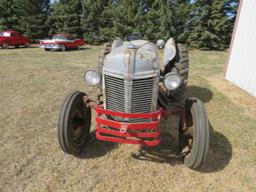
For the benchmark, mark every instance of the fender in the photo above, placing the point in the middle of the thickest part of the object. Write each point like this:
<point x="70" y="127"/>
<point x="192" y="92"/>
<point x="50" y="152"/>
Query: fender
<point x="169" y="51"/>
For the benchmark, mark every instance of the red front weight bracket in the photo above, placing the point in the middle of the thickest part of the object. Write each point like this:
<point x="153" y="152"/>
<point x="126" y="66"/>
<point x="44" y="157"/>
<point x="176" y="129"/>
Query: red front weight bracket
<point x="143" y="133"/>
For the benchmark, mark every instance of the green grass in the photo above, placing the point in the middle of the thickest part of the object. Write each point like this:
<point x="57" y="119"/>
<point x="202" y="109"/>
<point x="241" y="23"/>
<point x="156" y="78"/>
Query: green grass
<point x="33" y="84"/>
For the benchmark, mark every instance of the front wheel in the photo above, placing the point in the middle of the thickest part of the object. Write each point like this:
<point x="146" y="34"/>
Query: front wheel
<point x="74" y="124"/>
<point x="194" y="134"/>
<point x="63" y="48"/>
<point x="27" y="45"/>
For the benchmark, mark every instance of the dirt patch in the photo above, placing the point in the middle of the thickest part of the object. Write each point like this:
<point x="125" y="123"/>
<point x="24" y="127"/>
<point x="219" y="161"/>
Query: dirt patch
<point x="235" y="94"/>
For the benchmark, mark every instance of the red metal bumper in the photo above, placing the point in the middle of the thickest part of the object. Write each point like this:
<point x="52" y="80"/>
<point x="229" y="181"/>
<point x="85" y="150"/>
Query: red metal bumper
<point x="144" y="133"/>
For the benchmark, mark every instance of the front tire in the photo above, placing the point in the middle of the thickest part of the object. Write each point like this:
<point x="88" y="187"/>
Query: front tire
<point x="194" y="134"/>
<point x="74" y="124"/>
<point x="180" y="64"/>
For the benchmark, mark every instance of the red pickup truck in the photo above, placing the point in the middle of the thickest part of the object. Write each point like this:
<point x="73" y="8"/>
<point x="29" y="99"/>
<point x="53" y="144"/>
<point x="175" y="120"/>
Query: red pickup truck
<point x="13" y="38"/>
<point x="62" y="42"/>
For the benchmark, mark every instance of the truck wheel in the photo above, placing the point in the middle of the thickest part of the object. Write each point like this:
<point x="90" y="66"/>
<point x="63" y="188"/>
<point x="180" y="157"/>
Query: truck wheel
<point x="181" y="65"/>
<point x="27" y="45"/>
<point x="194" y="134"/>
<point x="74" y="123"/>
<point x="63" y="48"/>
<point x="5" y="45"/>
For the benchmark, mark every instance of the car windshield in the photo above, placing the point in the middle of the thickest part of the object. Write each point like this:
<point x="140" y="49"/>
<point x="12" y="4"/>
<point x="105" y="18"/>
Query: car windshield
<point x="61" y="37"/>
<point x="5" y="34"/>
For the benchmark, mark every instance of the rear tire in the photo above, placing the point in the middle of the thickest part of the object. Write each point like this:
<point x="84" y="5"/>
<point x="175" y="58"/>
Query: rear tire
<point x="74" y="124"/>
<point x="106" y="50"/>
<point x="27" y="45"/>
<point x="194" y="134"/>
<point x="181" y="66"/>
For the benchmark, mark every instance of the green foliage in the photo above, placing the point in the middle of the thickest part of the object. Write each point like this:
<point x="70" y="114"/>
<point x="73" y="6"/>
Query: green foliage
<point x="212" y="29"/>
<point x="8" y="15"/>
<point x="65" y="17"/>
<point x="93" y="19"/>
<point x="32" y="17"/>
<point x="26" y="16"/>
<point x="153" y="19"/>
<point x="204" y="24"/>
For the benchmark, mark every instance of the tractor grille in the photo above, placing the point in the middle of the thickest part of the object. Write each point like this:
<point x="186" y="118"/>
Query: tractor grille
<point x="115" y="93"/>
<point x="141" y="96"/>
<point x="142" y="92"/>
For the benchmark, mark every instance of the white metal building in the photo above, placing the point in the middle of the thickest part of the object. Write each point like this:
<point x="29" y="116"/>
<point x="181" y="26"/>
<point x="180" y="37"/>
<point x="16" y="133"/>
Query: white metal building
<point x="241" y="63"/>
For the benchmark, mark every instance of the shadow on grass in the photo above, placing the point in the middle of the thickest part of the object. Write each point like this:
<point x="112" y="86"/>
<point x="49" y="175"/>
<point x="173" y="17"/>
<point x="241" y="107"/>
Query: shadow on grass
<point x="96" y="148"/>
<point x="219" y="155"/>
<point x="20" y="47"/>
<point x="84" y="48"/>
<point x="80" y="49"/>
<point x="220" y="152"/>
<point x="166" y="152"/>
<point x="68" y="50"/>
<point x="202" y="93"/>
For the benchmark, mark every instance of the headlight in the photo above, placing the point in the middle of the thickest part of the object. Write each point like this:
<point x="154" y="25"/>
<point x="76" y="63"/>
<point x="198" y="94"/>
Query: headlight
<point x="172" y="81"/>
<point x="92" y="77"/>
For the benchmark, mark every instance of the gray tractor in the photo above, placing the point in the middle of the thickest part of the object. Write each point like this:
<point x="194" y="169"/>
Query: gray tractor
<point x="137" y="92"/>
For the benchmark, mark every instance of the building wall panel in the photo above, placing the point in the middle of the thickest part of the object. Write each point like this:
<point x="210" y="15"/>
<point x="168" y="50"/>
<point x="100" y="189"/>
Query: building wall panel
<point x="241" y="69"/>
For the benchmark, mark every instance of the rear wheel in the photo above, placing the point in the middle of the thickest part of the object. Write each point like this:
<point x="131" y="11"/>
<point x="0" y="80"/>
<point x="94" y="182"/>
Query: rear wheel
<point x="106" y="50"/>
<point x="194" y="134"/>
<point x="5" y="45"/>
<point x="27" y="45"/>
<point x="46" y="49"/>
<point x="74" y="124"/>
<point x="181" y="66"/>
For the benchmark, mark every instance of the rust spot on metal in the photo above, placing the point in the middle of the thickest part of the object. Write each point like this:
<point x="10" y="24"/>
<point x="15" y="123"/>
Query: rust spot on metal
<point x="140" y="55"/>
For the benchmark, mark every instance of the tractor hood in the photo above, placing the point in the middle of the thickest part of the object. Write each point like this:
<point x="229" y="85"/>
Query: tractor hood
<point x="132" y="60"/>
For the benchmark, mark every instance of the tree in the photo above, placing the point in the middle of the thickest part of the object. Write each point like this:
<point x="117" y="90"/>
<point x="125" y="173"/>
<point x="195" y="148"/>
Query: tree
<point x="32" y="17"/>
<point x="8" y="15"/>
<point x="94" y="18"/>
<point x="152" y="25"/>
<point x="65" y="17"/>
<point x="212" y="29"/>
<point x="181" y="20"/>
<point x="127" y="17"/>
